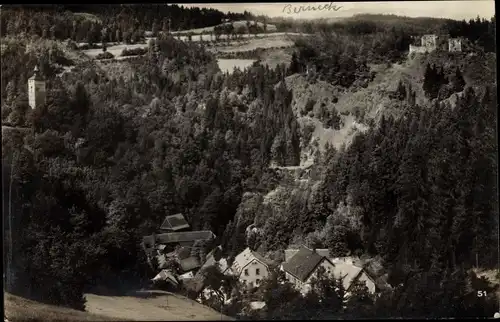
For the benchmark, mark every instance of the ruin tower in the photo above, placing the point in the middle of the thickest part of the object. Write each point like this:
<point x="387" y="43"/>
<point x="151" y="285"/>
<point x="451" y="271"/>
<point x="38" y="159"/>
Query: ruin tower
<point x="36" y="89"/>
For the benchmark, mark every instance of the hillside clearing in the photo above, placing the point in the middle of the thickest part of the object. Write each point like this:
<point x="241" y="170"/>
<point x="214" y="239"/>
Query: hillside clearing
<point x="151" y="305"/>
<point x="228" y="65"/>
<point x="274" y="42"/>
<point x="236" y="25"/>
<point x="116" y="50"/>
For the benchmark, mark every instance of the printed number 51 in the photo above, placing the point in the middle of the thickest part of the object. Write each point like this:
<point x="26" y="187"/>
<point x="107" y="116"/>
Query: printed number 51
<point x="481" y="293"/>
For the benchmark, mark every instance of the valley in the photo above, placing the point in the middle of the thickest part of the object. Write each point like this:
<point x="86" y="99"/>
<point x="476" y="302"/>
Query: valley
<point x="334" y="143"/>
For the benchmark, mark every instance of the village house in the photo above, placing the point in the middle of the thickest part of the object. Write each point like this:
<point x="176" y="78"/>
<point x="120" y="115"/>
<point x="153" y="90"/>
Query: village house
<point x="195" y="284"/>
<point x="214" y="258"/>
<point x="175" y="246"/>
<point x="251" y="267"/>
<point x="302" y="265"/>
<point x="186" y="238"/>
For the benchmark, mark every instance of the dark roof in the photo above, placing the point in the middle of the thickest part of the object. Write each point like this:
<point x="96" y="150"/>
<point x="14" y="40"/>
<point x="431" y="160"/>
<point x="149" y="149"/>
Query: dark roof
<point x="189" y="263"/>
<point x="174" y="222"/>
<point x="264" y="260"/>
<point x="178" y="237"/>
<point x="302" y="264"/>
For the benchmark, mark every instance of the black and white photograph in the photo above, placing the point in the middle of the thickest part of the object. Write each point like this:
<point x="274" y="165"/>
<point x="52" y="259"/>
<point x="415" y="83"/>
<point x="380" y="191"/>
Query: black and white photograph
<point x="250" y="161"/>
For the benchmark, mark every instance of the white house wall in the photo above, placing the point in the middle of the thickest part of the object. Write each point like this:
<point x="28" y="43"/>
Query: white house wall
<point x="329" y="269"/>
<point x="305" y="287"/>
<point x="252" y="277"/>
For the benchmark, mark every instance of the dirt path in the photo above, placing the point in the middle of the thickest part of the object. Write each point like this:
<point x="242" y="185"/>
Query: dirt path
<point x="151" y="306"/>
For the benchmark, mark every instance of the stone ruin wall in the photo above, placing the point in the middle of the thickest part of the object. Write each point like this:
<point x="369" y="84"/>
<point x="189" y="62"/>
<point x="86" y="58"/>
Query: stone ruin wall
<point x="430" y="43"/>
<point x="454" y="45"/>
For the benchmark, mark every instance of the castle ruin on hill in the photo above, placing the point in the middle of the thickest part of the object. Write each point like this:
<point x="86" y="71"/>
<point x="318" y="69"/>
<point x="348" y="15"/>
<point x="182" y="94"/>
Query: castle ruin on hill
<point x="430" y="43"/>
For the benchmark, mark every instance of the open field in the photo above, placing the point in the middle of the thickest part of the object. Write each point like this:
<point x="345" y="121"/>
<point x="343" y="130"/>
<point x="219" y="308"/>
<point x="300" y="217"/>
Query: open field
<point x="236" y="25"/>
<point x="228" y="65"/>
<point x="151" y="305"/>
<point x="268" y="42"/>
<point x="140" y="306"/>
<point x="116" y="50"/>
<point x="207" y="37"/>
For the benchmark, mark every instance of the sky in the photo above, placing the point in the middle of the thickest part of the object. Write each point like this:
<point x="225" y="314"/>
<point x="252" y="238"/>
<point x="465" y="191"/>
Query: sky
<point x="440" y="9"/>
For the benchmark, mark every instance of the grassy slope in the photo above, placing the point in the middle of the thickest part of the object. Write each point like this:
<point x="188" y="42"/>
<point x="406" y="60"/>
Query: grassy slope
<point x="154" y="305"/>
<point x="18" y="308"/>
<point x="160" y="306"/>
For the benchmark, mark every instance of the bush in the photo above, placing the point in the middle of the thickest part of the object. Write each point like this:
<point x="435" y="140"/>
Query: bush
<point x="105" y="55"/>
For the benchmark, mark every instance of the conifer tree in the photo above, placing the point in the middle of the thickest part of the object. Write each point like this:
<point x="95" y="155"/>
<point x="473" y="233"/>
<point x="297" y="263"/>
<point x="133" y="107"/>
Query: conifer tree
<point x="458" y="81"/>
<point x="400" y="91"/>
<point x="428" y="79"/>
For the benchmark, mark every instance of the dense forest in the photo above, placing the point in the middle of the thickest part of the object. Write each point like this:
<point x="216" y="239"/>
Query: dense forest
<point x="112" y="152"/>
<point x="111" y="23"/>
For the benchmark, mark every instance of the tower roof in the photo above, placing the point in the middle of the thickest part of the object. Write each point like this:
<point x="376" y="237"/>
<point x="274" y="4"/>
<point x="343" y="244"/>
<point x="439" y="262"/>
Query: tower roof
<point x="36" y="74"/>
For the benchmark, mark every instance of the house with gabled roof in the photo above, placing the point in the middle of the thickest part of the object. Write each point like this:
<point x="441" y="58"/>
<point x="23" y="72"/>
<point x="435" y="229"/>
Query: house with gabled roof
<point x="350" y="273"/>
<point x="301" y="265"/>
<point x="175" y="222"/>
<point x="181" y="238"/>
<point x="154" y="245"/>
<point x="251" y="267"/>
<point x="215" y="258"/>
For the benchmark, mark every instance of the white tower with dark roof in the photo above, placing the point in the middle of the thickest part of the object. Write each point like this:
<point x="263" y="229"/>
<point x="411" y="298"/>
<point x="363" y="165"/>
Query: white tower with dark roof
<point x="36" y="89"/>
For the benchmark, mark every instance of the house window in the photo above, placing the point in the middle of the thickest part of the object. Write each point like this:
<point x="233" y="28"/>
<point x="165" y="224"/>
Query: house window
<point x="257" y="271"/>
<point x="257" y="282"/>
<point x="246" y="272"/>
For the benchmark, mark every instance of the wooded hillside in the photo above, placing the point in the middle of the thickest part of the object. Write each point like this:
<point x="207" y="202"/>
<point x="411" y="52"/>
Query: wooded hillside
<point x="120" y="145"/>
